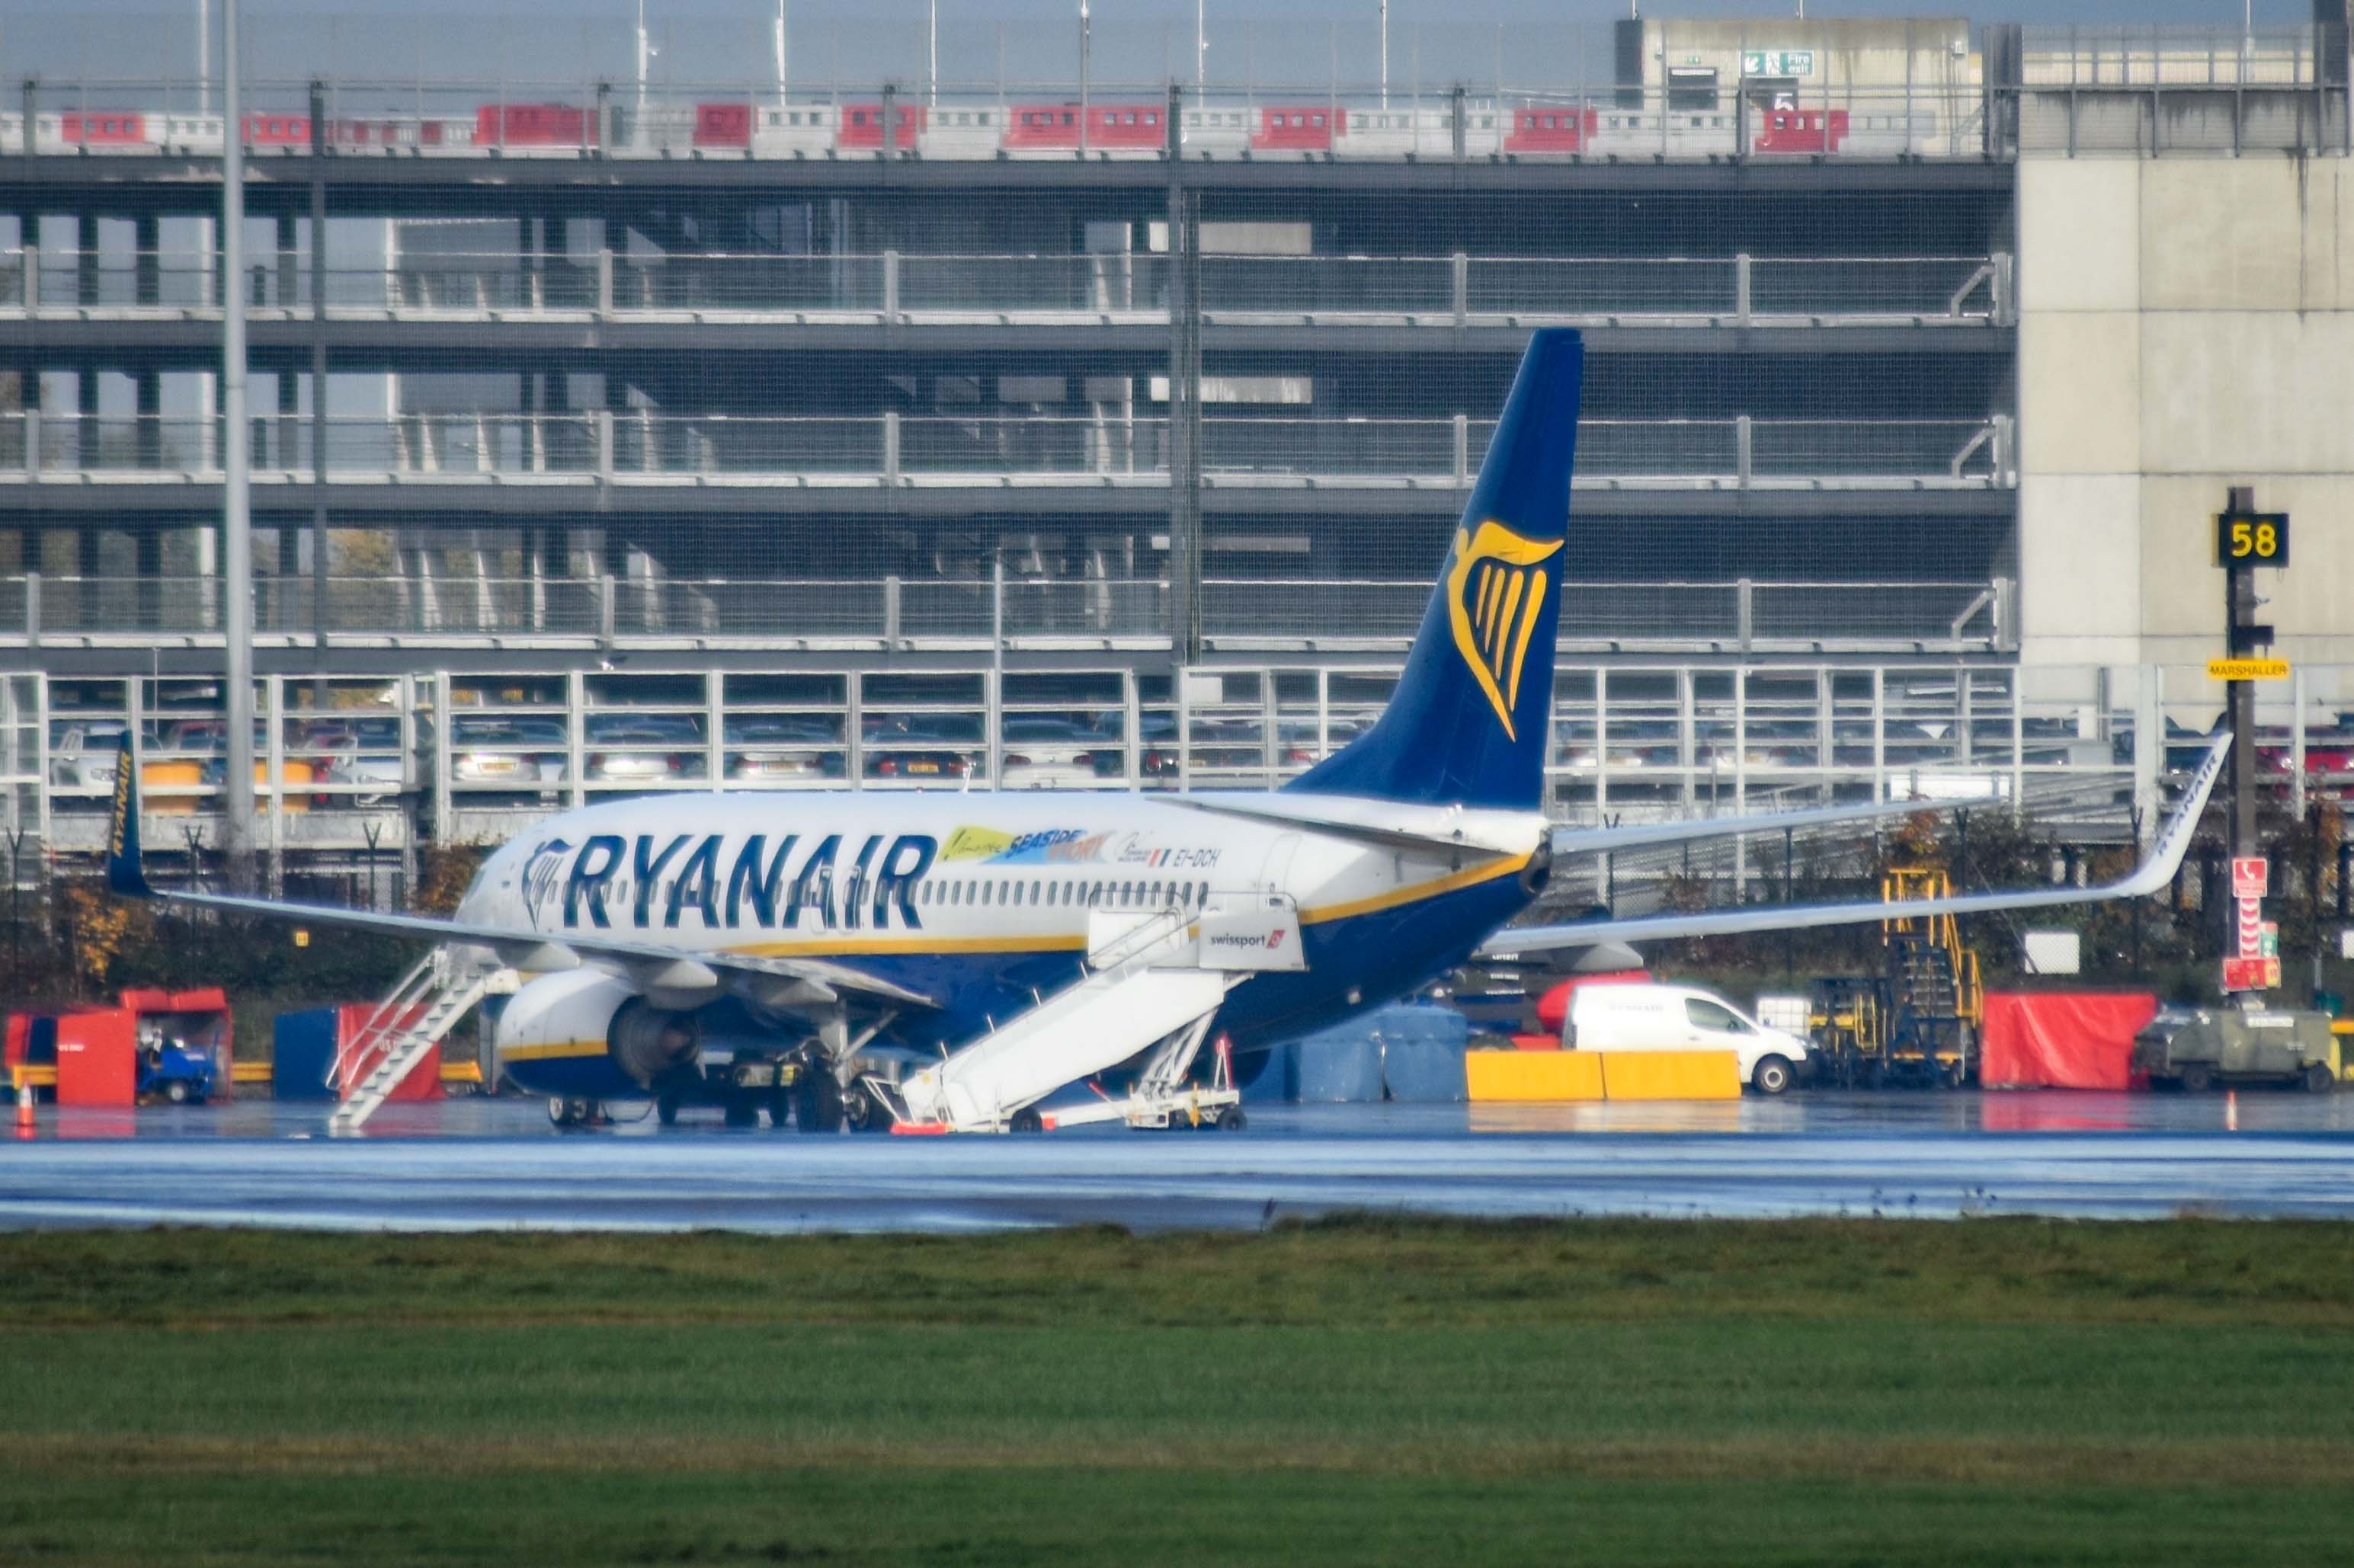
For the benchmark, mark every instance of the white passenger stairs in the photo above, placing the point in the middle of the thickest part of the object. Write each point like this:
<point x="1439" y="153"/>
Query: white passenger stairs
<point x="1147" y="985"/>
<point x="415" y="1017"/>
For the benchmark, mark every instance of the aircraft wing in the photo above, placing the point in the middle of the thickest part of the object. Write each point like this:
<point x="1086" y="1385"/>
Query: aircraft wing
<point x="2152" y="875"/>
<point x="1603" y="841"/>
<point x="641" y="964"/>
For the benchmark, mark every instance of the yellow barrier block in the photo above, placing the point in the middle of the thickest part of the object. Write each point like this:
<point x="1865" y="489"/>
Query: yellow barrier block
<point x="1670" y="1075"/>
<point x="461" y="1073"/>
<point x="1494" y="1076"/>
<point x="40" y="1075"/>
<point x="248" y="1071"/>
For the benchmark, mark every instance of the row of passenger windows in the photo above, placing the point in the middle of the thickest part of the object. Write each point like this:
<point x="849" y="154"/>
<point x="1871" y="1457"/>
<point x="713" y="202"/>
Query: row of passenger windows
<point x="1035" y="891"/>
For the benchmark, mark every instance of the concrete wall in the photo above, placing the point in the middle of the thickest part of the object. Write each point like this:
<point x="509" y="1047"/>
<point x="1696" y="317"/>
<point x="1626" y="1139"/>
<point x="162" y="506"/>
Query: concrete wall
<point x="2185" y="325"/>
<point x="1931" y="54"/>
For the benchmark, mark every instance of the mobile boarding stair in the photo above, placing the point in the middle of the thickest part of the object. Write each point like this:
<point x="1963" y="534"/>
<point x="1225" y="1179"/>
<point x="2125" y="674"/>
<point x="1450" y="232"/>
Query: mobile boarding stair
<point x="1153" y="984"/>
<point x="404" y="1028"/>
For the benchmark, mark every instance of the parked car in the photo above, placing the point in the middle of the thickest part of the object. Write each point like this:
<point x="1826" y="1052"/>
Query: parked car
<point x="784" y="748"/>
<point x="518" y="749"/>
<point x="924" y="746"/>
<point x="364" y="752"/>
<point x="82" y="754"/>
<point x="645" y="748"/>
<point x="1043" y="751"/>
<point x="1683" y="1018"/>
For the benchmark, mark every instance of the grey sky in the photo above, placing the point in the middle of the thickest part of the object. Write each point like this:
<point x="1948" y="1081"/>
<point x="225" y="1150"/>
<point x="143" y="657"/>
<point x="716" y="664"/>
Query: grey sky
<point x="561" y="42"/>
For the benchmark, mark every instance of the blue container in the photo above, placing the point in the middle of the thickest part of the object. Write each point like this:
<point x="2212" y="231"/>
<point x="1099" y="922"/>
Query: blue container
<point x="1341" y="1066"/>
<point x="302" y="1053"/>
<point x="1275" y="1081"/>
<point x="1422" y="1051"/>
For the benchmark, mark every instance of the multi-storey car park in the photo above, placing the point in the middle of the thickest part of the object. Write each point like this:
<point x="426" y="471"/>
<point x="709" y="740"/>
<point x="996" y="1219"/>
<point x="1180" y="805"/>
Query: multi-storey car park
<point x="613" y="440"/>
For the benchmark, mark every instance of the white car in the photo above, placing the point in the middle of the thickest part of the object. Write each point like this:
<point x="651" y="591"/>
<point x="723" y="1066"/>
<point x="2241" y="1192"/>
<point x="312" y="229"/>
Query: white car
<point x="1683" y="1018"/>
<point x="82" y="755"/>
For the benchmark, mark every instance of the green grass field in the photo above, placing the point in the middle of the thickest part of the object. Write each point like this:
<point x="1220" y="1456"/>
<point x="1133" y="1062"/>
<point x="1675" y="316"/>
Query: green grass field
<point x="1988" y="1391"/>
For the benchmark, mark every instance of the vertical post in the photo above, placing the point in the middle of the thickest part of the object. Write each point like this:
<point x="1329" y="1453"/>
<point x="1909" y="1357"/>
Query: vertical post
<point x="1462" y="451"/>
<point x="236" y="555"/>
<point x="1745" y="610"/>
<point x="1184" y="417"/>
<point x="1459" y="270"/>
<point x="890" y="446"/>
<point x="604" y="282"/>
<point x="1743" y="446"/>
<point x="1086" y="42"/>
<point x="1741" y="288"/>
<point x="319" y="553"/>
<point x="2240" y="612"/>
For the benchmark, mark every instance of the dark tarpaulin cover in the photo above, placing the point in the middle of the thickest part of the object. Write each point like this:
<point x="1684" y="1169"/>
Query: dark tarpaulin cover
<point x="2061" y="1039"/>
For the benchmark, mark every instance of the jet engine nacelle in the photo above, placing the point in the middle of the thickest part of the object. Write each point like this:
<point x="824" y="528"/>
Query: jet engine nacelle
<point x="583" y="1031"/>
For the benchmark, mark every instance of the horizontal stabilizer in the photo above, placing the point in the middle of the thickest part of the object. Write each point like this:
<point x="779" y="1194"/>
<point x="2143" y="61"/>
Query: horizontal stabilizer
<point x="1297" y="812"/>
<point x="2151" y="877"/>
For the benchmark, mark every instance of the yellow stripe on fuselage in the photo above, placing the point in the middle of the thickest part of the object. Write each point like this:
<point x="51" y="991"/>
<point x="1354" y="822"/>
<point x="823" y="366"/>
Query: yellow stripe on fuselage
<point x="552" y="1050"/>
<point x="1469" y="877"/>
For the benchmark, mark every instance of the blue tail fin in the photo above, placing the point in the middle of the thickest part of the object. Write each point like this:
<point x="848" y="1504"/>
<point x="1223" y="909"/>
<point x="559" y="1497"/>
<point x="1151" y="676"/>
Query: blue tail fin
<point x="1470" y="720"/>
<point x="122" y="869"/>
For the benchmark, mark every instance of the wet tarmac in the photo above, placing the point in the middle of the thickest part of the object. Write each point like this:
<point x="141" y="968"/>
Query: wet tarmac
<point x="497" y="1164"/>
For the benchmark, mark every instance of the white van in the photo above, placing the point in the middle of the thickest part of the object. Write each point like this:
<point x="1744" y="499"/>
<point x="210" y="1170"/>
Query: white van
<point x="1680" y="1018"/>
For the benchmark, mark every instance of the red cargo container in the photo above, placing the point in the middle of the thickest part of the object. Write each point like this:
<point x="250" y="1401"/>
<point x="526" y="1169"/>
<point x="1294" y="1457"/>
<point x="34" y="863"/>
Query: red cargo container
<point x="424" y="1080"/>
<point x="862" y="125"/>
<point x="97" y="1058"/>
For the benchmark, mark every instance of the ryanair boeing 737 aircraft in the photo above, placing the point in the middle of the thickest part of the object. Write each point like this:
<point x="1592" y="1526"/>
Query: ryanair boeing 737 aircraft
<point x="947" y="962"/>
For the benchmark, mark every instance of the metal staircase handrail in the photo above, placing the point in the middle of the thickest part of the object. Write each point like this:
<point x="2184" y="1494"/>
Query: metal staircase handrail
<point x="410" y="990"/>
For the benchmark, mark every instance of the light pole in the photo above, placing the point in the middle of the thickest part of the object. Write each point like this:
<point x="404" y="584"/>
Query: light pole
<point x="932" y="37"/>
<point x="1385" y="54"/>
<point x="645" y="58"/>
<point x="780" y="53"/>
<point x="1084" y="42"/>
<point x="1201" y="44"/>
<point x="237" y="552"/>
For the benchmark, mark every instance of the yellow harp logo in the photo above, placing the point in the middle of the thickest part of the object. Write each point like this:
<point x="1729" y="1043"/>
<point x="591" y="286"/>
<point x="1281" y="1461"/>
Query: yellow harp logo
<point x="1495" y="590"/>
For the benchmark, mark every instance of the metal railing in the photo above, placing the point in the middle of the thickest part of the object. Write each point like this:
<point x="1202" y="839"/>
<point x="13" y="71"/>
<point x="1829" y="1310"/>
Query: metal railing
<point x="1112" y="287"/>
<point x="474" y="751"/>
<point x="424" y="603"/>
<point x="1113" y="445"/>
<point x="1973" y="112"/>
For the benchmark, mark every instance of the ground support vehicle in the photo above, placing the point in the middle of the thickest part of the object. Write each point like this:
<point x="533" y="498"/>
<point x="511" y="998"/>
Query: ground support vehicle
<point x="2198" y="1049"/>
<point x="171" y="1071"/>
<point x="1683" y="1018"/>
<point x="1917" y="1020"/>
